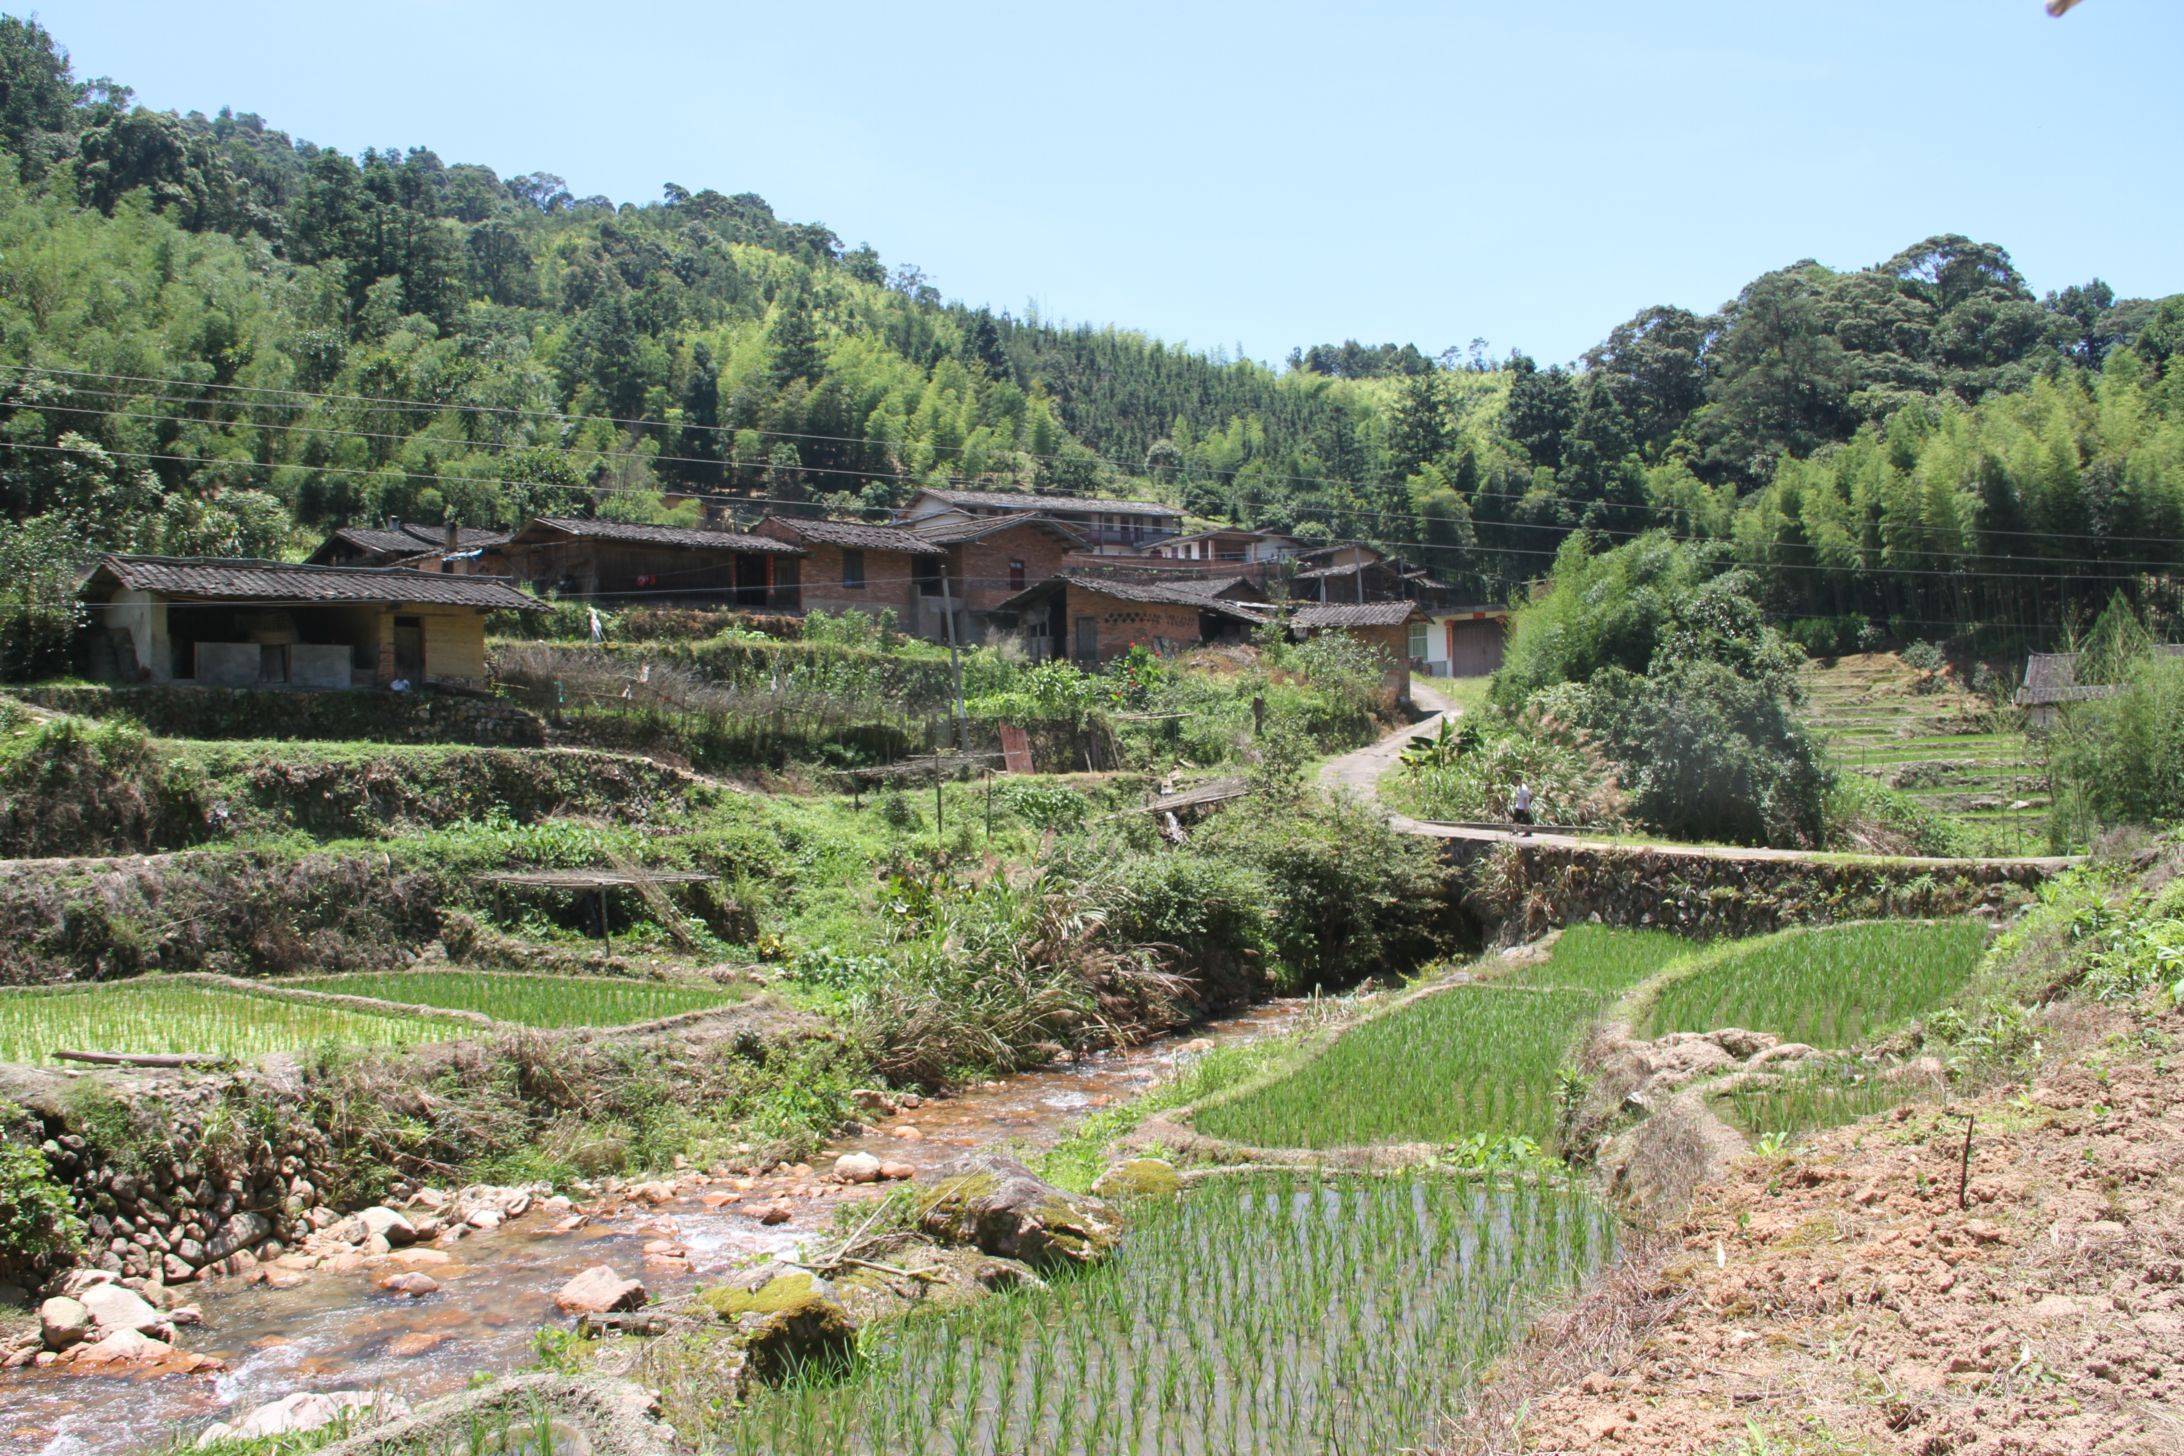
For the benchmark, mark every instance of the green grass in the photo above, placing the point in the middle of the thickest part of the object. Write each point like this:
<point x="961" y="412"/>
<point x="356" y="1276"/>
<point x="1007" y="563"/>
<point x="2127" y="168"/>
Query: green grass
<point x="152" y="1016"/>
<point x="1810" y="1100"/>
<point x="1260" y="1314"/>
<point x="1472" y="1061"/>
<point x="1076" y="1161"/>
<point x="529" y="1000"/>
<point x="1831" y="987"/>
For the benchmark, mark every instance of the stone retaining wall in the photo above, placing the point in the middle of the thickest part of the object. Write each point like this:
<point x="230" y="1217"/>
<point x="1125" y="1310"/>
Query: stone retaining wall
<point x="1518" y="891"/>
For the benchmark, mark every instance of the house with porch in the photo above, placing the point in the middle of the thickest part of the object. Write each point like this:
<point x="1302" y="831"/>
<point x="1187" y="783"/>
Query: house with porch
<point x="1227" y="545"/>
<point x="1090" y="619"/>
<point x="219" y="623"/>
<point x="989" y="559"/>
<point x="1109" y="527"/>
<point x="630" y="565"/>
<point x="1459" y="641"/>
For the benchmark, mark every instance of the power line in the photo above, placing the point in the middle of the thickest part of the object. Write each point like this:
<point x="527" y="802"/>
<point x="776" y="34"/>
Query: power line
<point x="864" y="442"/>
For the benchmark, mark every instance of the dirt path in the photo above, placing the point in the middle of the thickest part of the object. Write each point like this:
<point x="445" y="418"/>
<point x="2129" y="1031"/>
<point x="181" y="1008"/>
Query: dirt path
<point x="1838" y="1299"/>
<point x="1359" y="772"/>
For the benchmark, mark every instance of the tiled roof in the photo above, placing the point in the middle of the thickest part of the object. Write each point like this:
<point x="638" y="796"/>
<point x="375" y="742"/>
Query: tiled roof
<point x="1024" y="500"/>
<point x="301" y="584"/>
<point x="2052" y="677"/>
<point x="693" y="536"/>
<point x="1355" y="614"/>
<point x="1158" y="593"/>
<point x="409" y="538"/>
<point x="859" y="536"/>
<point x="952" y="529"/>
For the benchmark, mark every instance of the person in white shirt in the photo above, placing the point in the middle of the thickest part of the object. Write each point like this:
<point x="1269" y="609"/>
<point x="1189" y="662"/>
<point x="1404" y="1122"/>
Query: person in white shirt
<point x="1520" y="805"/>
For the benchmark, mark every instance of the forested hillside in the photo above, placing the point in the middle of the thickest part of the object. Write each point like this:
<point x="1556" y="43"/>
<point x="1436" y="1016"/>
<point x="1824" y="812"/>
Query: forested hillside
<point x="217" y="338"/>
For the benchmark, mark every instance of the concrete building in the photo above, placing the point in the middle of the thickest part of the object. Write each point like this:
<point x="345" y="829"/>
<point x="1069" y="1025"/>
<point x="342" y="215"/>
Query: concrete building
<point x="167" y="619"/>
<point x="1229" y="545"/>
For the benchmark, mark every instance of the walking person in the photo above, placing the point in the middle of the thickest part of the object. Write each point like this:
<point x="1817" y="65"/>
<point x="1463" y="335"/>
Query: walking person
<point x="1520" y="807"/>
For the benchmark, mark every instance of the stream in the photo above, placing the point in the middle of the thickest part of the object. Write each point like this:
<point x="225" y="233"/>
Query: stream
<point x="339" y="1331"/>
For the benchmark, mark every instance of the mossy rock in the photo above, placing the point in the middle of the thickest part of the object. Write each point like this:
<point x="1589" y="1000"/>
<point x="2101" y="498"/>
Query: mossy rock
<point x="996" y="1204"/>
<point x="1139" y="1178"/>
<point x="785" y="1320"/>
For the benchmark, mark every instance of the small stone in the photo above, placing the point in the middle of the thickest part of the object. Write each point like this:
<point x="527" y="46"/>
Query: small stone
<point x="124" y="1347"/>
<point x="485" y="1220"/>
<point x="113" y="1308"/>
<point x="773" y="1213"/>
<point x="897" y="1169"/>
<point x="410" y="1285"/>
<point x="306" y="1410"/>
<point x="599" y="1290"/>
<point x="416" y="1342"/>
<point x="857" y="1168"/>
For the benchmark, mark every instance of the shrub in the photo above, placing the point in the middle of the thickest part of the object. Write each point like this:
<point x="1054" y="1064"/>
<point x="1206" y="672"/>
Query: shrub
<point x="1041" y="805"/>
<point x="1569" y="783"/>
<point x="1347" y="896"/>
<point x="1205" y="917"/>
<point x="2120" y="760"/>
<point x="37" y="1217"/>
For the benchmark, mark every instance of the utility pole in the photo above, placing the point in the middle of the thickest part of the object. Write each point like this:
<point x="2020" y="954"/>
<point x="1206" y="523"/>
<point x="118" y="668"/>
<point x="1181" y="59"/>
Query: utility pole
<point x="955" y="664"/>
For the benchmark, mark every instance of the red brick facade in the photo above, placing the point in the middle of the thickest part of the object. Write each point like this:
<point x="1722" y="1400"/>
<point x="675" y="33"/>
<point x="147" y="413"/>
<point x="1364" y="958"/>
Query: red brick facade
<point x="887" y="576"/>
<point x="1119" y="624"/>
<point x="989" y="570"/>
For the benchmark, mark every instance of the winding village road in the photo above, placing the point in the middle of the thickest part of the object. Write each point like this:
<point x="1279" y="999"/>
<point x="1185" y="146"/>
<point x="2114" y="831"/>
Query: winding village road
<point x="1359" y="772"/>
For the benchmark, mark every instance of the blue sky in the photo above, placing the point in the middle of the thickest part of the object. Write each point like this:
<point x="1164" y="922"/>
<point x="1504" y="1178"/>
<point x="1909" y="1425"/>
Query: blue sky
<point x="1271" y="174"/>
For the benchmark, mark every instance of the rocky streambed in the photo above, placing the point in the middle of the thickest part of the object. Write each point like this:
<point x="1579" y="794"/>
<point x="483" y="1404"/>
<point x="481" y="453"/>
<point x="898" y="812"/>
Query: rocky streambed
<point x="410" y="1302"/>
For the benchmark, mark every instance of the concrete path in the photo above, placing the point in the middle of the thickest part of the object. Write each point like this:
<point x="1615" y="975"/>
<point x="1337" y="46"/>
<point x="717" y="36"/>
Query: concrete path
<point x="1359" y="772"/>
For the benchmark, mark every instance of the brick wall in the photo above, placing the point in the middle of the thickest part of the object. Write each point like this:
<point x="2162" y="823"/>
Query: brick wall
<point x="1156" y="625"/>
<point x="978" y="571"/>
<point x="886" y="573"/>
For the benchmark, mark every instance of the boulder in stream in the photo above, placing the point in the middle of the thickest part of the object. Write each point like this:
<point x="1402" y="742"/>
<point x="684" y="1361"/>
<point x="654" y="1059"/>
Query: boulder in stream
<point x="997" y="1204"/>
<point x="599" y="1290"/>
<point x="785" y="1318"/>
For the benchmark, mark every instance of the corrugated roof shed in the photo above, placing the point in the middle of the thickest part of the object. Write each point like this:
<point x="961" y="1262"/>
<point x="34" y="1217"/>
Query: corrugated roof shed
<point x="207" y="579"/>
<point x="2052" y="677"/>
<point x="693" y="536"/>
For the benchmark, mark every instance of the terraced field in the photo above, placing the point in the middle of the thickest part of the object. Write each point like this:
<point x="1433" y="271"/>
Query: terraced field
<point x="1829" y="987"/>
<point x="160" y="1017"/>
<point x="528" y="1000"/>
<point x="1948" y="749"/>
<point x="1473" y="1061"/>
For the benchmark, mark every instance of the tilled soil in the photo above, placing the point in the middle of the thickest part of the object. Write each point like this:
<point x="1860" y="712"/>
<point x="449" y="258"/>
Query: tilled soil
<point x="1840" y="1301"/>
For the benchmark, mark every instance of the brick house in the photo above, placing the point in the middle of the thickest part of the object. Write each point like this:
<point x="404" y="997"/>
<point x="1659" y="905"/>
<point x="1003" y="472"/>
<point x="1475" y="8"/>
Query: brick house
<point x="851" y="566"/>
<point x="174" y="619"/>
<point x="1397" y="630"/>
<point x="1093" y="619"/>
<point x="990" y="559"/>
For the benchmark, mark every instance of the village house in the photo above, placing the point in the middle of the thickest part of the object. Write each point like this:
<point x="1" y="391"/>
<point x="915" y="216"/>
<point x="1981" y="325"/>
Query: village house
<point x="1393" y="629"/>
<point x="1458" y="641"/>
<point x="2051" y="685"/>
<point x="1090" y="620"/>
<point x="632" y="565"/>
<point x="851" y="566"/>
<point x="1227" y="545"/>
<point x="989" y="559"/>
<point x="1108" y="527"/>
<point x="166" y="619"/>
<point x="451" y="547"/>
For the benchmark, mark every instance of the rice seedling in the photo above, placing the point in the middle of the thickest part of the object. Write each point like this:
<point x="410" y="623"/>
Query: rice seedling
<point x="529" y="1000"/>
<point x="155" y="1016"/>
<point x="1264" y="1314"/>
<point x="1474" y="1060"/>
<point x="1832" y="987"/>
<point x="1813" y="1099"/>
